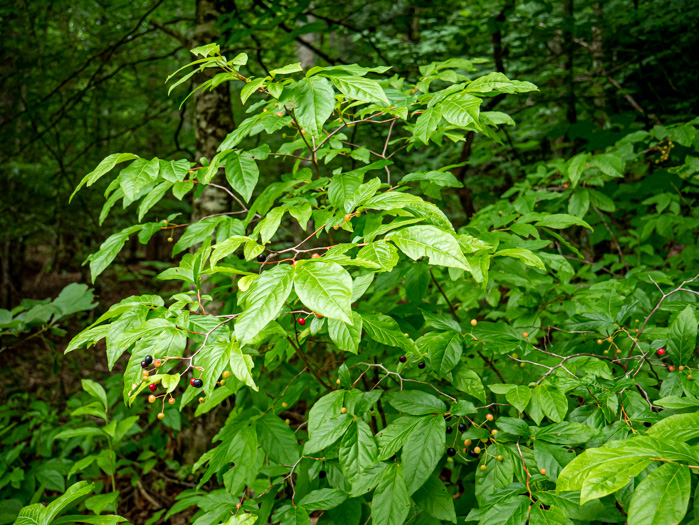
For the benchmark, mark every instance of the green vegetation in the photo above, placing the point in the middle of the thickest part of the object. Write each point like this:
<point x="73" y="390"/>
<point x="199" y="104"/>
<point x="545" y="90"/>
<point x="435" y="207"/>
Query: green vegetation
<point x="451" y="279"/>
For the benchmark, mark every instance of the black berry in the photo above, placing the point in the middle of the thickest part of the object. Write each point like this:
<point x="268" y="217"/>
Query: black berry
<point x="392" y="458"/>
<point x="421" y="365"/>
<point x="402" y="359"/>
<point x="462" y="427"/>
<point x="451" y="452"/>
<point x="472" y="453"/>
<point x="148" y="359"/>
<point x="197" y="383"/>
<point x="261" y="258"/>
<point x="450" y="430"/>
<point x="144" y="364"/>
<point x="322" y="474"/>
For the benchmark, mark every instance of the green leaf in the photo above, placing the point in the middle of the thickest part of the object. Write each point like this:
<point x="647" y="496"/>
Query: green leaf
<point x="325" y="288"/>
<point x="391" y="502"/>
<point x="96" y="390"/>
<point x="551" y="516"/>
<point x="386" y="330"/>
<point x="263" y="301"/>
<point x="461" y="109"/>
<point x="360" y="88"/>
<point x="74" y="492"/>
<point x="611" y="476"/>
<point x="434" y="498"/>
<point x="512" y="511"/>
<point x="152" y="198"/>
<point x="277" y="439"/>
<point x="561" y="221"/>
<point x="196" y="233"/>
<point x="242" y="174"/>
<point x="551" y="457"/>
<point x="468" y="381"/>
<point x="526" y="256"/>
<point x="346" y="336"/>
<point x="357" y="450"/>
<point x="576" y="167"/>
<point x="242" y="365"/>
<point x="250" y="88"/>
<point x="444" y="350"/>
<point x="315" y="101"/>
<point x="427" y="123"/>
<point x="519" y="397"/>
<point x="679" y="427"/>
<point x="497" y="475"/>
<point x="137" y="175"/>
<point x="441" y="247"/>
<point x="422" y="451"/>
<point x="416" y="402"/>
<point x="393" y="437"/>
<point x="225" y="248"/>
<point x="682" y="337"/>
<point x="549" y="401"/>
<point x="104" y="167"/>
<point x="323" y="499"/>
<point x="381" y="253"/>
<point x="662" y="497"/>
<point x="109" y="250"/>
<point x="286" y="70"/>
<point x="327" y="433"/>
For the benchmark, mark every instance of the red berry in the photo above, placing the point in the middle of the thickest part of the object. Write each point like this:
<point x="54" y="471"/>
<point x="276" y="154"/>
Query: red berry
<point x="402" y="359"/>
<point x="301" y="321"/>
<point x="315" y="256"/>
<point x="191" y="381"/>
<point x="153" y="387"/>
<point x="671" y="368"/>
<point x="661" y="352"/>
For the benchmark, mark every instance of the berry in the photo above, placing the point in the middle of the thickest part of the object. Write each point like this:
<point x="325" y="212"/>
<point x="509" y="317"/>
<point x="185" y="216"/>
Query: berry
<point x="671" y="368"/>
<point x="157" y="363"/>
<point x="467" y="442"/>
<point x="279" y="114"/>
<point x="151" y="398"/>
<point x="226" y="374"/>
<point x="421" y="365"/>
<point x="284" y="404"/>
<point x="462" y="427"/>
<point x="681" y="368"/>
<point x="522" y="365"/>
<point x="499" y="458"/>
<point x="148" y="359"/>
<point x="472" y="453"/>
<point x="483" y="467"/>
<point x="525" y="334"/>
<point x="152" y="387"/>
<point x="489" y="417"/>
<point x="238" y="505"/>
<point x="494" y="431"/>
<point x="196" y="383"/>
<point x="222" y="382"/>
<point x="689" y="377"/>
<point x="661" y="352"/>
<point x="261" y="258"/>
<point x="170" y="239"/>
<point x="287" y="421"/>
<point x="450" y="430"/>
<point x="301" y="321"/>
<point x="171" y="400"/>
<point x="474" y="322"/>
<point x="202" y="399"/>
<point x="343" y="410"/>
<point x="542" y="471"/>
<point x="348" y="217"/>
<point x="315" y="256"/>
<point x="322" y="474"/>
<point x="477" y="450"/>
<point x="144" y="364"/>
<point x="402" y="359"/>
<point x="338" y="381"/>
<point x="161" y="415"/>
<point x="450" y="460"/>
<point x="599" y="341"/>
<point x="451" y="452"/>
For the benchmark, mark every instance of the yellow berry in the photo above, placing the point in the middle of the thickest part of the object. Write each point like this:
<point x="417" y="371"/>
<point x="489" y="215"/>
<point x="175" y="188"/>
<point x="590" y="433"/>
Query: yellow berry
<point x="499" y="458"/>
<point x="477" y="450"/>
<point x="161" y="415"/>
<point x="522" y="365"/>
<point x="489" y="417"/>
<point x="494" y="431"/>
<point x="450" y="460"/>
<point x="226" y="374"/>
<point x="202" y="399"/>
<point x="151" y="398"/>
<point x="599" y="341"/>
<point x="287" y="421"/>
<point x="337" y="381"/>
<point x="343" y="410"/>
<point x="483" y="467"/>
<point x="284" y="404"/>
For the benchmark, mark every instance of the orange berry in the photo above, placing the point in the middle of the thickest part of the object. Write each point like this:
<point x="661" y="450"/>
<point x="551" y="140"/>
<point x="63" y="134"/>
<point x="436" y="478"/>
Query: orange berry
<point x="157" y="363"/>
<point x="343" y="410"/>
<point x="474" y="322"/>
<point x="279" y="114"/>
<point x="489" y="417"/>
<point x="226" y="374"/>
<point x="467" y="442"/>
<point x="315" y="256"/>
<point x="525" y="334"/>
<point x="542" y="471"/>
<point x="171" y="400"/>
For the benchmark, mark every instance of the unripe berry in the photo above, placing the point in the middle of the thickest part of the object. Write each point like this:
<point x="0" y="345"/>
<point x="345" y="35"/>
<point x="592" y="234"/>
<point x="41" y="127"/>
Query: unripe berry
<point x="284" y="404"/>
<point x="525" y="334"/>
<point x="279" y="114"/>
<point x="474" y="322"/>
<point x="343" y="410"/>
<point x="287" y="421"/>
<point x="494" y="431"/>
<point x="542" y="471"/>
<point x="681" y="368"/>
<point x="202" y="399"/>
<point x="161" y="415"/>
<point x="599" y="341"/>
<point x="689" y="377"/>
<point x="489" y="417"/>
<point x="348" y="217"/>
<point x="171" y="400"/>
<point x="226" y="374"/>
<point x="151" y="398"/>
<point x="499" y="458"/>
<point x="157" y="363"/>
<point x="522" y="365"/>
<point x="467" y="442"/>
<point x="315" y="256"/>
<point x="477" y="450"/>
<point x="483" y="467"/>
<point x="450" y="460"/>
<point x="338" y="381"/>
<point x="222" y="382"/>
<point x="170" y="239"/>
<point x="238" y="505"/>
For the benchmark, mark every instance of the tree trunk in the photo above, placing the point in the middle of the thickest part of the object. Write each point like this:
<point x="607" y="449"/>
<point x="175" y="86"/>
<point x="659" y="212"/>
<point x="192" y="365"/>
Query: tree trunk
<point x="213" y="112"/>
